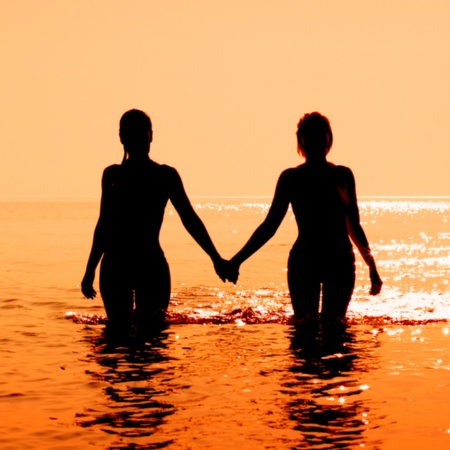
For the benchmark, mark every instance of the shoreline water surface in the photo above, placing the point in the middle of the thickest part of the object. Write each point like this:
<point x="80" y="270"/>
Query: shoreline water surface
<point x="229" y="370"/>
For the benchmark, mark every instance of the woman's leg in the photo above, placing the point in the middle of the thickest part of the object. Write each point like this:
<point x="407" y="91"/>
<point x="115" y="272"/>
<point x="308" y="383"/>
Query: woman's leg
<point x="304" y="288"/>
<point x="339" y="282"/>
<point x="152" y="292"/>
<point x="116" y="292"/>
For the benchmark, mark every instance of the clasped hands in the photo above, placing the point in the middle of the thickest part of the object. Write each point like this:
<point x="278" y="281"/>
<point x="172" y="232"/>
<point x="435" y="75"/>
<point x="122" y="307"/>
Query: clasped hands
<point x="227" y="270"/>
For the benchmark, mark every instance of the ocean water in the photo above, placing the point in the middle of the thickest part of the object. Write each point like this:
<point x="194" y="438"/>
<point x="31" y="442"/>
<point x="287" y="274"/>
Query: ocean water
<point x="229" y="370"/>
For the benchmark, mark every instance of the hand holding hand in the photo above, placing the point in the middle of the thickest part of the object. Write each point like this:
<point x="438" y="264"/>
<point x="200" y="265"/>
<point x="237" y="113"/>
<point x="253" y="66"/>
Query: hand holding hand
<point x="226" y="270"/>
<point x="220" y="266"/>
<point x="232" y="271"/>
<point x="87" y="287"/>
<point x="376" y="282"/>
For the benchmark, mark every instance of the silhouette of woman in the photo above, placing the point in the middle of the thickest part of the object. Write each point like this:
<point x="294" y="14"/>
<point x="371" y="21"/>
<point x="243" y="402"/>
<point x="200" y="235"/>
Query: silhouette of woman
<point x="134" y="271"/>
<point x="323" y="199"/>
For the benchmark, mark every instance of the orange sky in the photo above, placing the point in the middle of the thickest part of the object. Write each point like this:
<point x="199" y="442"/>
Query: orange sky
<point x="225" y="83"/>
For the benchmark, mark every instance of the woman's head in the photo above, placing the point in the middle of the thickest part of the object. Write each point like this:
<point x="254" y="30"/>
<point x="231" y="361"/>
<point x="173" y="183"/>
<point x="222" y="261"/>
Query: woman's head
<point x="314" y="136"/>
<point x="135" y="131"/>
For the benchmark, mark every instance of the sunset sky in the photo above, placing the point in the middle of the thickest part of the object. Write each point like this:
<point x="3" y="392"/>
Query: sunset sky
<point x="225" y="82"/>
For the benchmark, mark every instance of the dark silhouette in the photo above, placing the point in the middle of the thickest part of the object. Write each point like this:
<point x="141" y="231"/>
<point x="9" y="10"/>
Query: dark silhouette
<point x="323" y="199"/>
<point x="134" y="272"/>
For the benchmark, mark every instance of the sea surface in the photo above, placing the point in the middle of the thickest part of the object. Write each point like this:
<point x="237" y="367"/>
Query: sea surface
<point x="229" y="370"/>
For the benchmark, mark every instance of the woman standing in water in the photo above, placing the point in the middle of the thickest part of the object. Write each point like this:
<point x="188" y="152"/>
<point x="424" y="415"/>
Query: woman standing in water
<point x="134" y="272"/>
<point x="323" y="199"/>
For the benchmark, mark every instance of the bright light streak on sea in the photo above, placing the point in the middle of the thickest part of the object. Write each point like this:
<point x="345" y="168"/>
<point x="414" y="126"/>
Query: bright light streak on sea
<point x="409" y="239"/>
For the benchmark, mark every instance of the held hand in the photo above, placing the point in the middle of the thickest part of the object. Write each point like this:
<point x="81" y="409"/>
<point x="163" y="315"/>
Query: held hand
<point x="220" y="266"/>
<point x="232" y="272"/>
<point x="87" y="287"/>
<point x="226" y="270"/>
<point x="375" y="281"/>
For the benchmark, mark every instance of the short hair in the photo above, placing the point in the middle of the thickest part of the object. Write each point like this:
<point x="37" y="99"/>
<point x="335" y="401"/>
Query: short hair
<point x="133" y="124"/>
<point x="316" y="129"/>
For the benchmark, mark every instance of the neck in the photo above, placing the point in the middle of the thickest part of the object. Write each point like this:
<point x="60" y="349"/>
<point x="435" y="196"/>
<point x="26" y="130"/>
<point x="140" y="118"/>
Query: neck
<point x="137" y="154"/>
<point x="316" y="161"/>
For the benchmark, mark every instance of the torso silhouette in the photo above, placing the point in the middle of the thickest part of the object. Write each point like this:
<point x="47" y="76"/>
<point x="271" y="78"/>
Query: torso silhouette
<point x="135" y="196"/>
<point x="319" y="197"/>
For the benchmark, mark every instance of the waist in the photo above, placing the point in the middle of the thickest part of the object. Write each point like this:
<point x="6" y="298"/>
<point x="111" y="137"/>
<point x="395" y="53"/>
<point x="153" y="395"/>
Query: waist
<point x="141" y="252"/>
<point x="336" y="245"/>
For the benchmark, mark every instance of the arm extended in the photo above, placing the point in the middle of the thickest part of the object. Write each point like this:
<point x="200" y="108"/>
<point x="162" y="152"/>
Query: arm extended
<point x="267" y="229"/>
<point x="193" y="223"/>
<point x="358" y="236"/>
<point x="98" y="244"/>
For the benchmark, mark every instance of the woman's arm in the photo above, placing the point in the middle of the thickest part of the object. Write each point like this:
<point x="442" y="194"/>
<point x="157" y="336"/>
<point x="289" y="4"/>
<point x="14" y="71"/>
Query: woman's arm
<point x="98" y="244"/>
<point x="358" y="236"/>
<point x="267" y="229"/>
<point x="193" y="223"/>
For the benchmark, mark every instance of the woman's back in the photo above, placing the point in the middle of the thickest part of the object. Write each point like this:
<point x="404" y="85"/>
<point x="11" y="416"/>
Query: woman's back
<point x="135" y="198"/>
<point x="318" y="195"/>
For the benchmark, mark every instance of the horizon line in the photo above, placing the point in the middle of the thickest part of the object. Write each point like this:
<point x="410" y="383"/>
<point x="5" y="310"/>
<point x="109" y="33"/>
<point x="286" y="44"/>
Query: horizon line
<point x="92" y="198"/>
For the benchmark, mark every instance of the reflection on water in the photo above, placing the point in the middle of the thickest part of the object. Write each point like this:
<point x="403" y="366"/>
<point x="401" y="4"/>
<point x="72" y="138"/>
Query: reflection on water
<point x="324" y="386"/>
<point x="135" y="380"/>
<point x="250" y="386"/>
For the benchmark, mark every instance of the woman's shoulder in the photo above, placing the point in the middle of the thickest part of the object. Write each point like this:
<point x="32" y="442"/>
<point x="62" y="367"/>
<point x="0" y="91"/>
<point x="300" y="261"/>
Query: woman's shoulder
<point x="341" y="167"/>
<point x="112" y="168"/>
<point x="295" y="173"/>
<point x="165" y="167"/>
<point x="167" y="171"/>
<point x="287" y="175"/>
<point x="110" y="176"/>
<point x="344" y="171"/>
<point x="112" y="171"/>
<point x="291" y="172"/>
<point x="167" y="175"/>
<point x="340" y="170"/>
